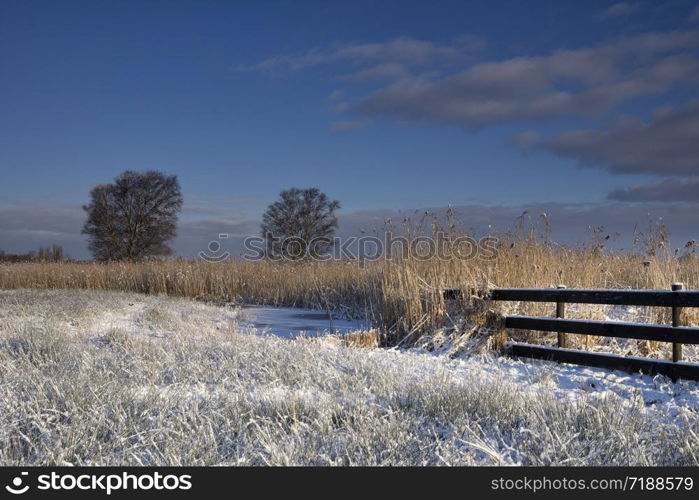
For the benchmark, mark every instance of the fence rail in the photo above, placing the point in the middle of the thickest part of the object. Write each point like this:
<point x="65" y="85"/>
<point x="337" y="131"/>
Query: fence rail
<point x="676" y="298"/>
<point x="632" y="364"/>
<point x="640" y="331"/>
<point x="659" y="298"/>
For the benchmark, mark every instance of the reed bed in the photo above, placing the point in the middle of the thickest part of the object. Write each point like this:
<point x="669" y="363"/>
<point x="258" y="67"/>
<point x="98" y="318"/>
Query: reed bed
<point x="402" y="296"/>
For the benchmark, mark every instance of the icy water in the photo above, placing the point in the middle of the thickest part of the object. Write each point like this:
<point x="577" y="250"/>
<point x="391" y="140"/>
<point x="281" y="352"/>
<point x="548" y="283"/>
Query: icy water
<point x="291" y="322"/>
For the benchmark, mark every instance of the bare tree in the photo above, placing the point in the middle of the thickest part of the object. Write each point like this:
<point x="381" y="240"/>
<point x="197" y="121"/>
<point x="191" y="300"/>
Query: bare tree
<point x="300" y="224"/>
<point x="134" y="217"/>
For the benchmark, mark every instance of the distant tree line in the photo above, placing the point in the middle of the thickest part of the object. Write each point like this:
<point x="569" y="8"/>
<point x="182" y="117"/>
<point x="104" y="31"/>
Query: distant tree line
<point x="53" y="253"/>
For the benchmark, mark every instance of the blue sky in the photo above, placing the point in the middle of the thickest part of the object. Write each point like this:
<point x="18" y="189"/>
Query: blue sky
<point x="584" y="110"/>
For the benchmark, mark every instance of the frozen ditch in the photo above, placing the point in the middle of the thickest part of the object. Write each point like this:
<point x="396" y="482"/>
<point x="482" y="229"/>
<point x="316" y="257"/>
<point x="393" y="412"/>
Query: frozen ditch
<point x="288" y="322"/>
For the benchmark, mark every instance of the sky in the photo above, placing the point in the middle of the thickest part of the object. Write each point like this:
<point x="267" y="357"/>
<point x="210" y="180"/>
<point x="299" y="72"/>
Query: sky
<point x="585" y="111"/>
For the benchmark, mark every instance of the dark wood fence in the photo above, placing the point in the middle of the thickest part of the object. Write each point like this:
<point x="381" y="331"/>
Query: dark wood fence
<point x="676" y="299"/>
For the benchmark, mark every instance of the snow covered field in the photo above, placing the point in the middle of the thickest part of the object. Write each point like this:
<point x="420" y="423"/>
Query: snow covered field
<point x="112" y="378"/>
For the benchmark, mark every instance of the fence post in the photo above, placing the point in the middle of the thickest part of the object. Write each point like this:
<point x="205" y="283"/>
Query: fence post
<point x="676" y="321"/>
<point x="561" y="313"/>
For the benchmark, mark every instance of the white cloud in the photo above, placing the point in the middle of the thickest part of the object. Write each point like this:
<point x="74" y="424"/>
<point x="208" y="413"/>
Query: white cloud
<point x="621" y="9"/>
<point x="432" y="82"/>
<point x="670" y="190"/>
<point x="565" y="82"/>
<point x="403" y="51"/>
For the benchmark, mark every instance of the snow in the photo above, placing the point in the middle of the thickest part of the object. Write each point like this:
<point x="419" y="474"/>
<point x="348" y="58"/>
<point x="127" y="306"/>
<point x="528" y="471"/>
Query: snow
<point x="659" y="394"/>
<point x="394" y="397"/>
<point x="628" y="314"/>
<point x="670" y="399"/>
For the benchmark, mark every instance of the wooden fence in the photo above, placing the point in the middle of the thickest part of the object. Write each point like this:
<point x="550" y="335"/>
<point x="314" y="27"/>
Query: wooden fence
<point x="676" y="299"/>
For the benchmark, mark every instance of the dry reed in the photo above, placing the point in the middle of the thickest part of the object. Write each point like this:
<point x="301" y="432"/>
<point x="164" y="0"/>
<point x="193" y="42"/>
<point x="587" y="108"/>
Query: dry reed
<point x="400" y="296"/>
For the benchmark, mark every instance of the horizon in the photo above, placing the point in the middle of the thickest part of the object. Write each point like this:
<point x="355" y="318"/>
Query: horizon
<point x="587" y="112"/>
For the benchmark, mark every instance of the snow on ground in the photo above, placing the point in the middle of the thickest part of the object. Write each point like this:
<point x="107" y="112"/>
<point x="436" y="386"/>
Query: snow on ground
<point x="574" y="382"/>
<point x="153" y="316"/>
<point x="658" y="394"/>
<point x="571" y="382"/>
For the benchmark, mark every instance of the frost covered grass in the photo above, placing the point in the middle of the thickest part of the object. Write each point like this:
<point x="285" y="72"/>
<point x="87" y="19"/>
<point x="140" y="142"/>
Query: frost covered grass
<point x="104" y="378"/>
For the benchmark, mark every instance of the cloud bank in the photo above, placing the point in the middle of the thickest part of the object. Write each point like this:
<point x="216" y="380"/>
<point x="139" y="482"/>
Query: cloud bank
<point x="668" y="145"/>
<point x="411" y="80"/>
<point x="23" y="229"/>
